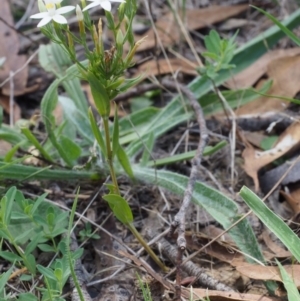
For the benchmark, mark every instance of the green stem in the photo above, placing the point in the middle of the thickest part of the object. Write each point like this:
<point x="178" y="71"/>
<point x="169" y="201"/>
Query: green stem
<point x="137" y="235"/>
<point x="109" y="156"/>
<point x="117" y="191"/>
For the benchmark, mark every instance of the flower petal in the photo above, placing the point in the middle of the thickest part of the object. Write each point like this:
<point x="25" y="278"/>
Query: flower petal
<point x="64" y="9"/>
<point x="44" y="21"/>
<point x="93" y="4"/>
<point x="60" y="19"/>
<point x="106" y="5"/>
<point x="40" y="15"/>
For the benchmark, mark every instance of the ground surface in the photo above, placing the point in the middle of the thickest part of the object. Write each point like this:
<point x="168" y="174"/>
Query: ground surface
<point x="108" y="260"/>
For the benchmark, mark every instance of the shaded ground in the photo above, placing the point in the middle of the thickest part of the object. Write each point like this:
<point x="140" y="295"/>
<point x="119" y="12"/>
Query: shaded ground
<point x="110" y="261"/>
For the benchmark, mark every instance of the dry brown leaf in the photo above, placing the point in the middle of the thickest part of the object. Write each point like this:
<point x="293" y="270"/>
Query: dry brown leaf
<point x="255" y="71"/>
<point x="223" y="251"/>
<point x="255" y="159"/>
<point x="169" y="32"/>
<point x="4" y="103"/>
<point x="5" y="147"/>
<point x="228" y="296"/>
<point x="285" y="73"/>
<point x="153" y="68"/>
<point x="293" y="199"/>
<point x="255" y="138"/>
<point x="259" y="272"/>
<point x="9" y="49"/>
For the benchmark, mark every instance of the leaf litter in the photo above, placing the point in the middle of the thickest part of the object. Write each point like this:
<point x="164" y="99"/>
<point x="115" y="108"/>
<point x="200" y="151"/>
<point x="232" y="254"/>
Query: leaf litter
<point x="279" y="65"/>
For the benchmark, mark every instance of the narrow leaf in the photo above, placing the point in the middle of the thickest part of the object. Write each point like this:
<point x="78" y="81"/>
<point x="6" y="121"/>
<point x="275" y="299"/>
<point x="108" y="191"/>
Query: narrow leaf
<point x="272" y="221"/>
<point x="124" y="161"/>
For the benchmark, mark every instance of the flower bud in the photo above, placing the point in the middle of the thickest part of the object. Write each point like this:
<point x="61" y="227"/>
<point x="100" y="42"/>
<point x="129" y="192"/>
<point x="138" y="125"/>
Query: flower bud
<point x="120" y="38"/>
<point x="42" y="7"/>
<point x="121" y="11"/>
<point x="83" y="3"/>
<point x="79" y="13"/>
<point x="80" y="17"/>
<point x="133" y="50"/>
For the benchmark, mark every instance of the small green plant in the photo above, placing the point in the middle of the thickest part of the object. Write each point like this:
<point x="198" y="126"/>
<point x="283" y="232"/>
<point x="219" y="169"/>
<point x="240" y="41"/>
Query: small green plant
<point x="104" y="71"/>
<point x="145" y="289"/>
<point x="87" y="233"/>
<point x="219" y="54"/>
<point x="25" y="226"/>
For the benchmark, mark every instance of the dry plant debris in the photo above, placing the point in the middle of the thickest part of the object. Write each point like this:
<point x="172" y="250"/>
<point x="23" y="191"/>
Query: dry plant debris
<point x="282" y="66"/>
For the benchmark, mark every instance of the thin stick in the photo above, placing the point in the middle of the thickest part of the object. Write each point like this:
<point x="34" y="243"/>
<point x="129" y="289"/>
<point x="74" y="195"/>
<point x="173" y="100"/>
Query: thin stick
<point x="179" y="219"/>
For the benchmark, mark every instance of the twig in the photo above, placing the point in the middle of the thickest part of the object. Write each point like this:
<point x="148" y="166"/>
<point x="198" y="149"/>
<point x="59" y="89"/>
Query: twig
<point x="188" y="267"/>
<point x="179" y="219"/>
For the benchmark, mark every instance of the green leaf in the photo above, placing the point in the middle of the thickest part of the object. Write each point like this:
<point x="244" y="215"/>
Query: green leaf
<point x="53" y="58"/>
<point x="6" y="205"/>
<point x="289" y="284"/>
<point x="272" y="221"/>
<point x="37" y="202"/>
<point x="208" y="150"/>
<point x="46" y="248"/>
<point x="48" y="104"/>
<point x="120" y="208"/>
<point x="30" y="263"/>
<point x="211" y="103"/>
<point x="77" y="118"/>
<point x="115" y="136"/>
<point x="212" y="42"/>
<point x="27" y="297"/>
<point x="24" y="236"/>
<point x="97" y="133"/>
<point x="129" y="83"/>
<point x="147" y="150"/>
<point x="36" y="143"/>
<point x="33" y="244"/>
<point x="124" y="161"/>
<point x="71" y="149"/>
<point x="47" y="272"/>
<point x="220" y="207"/>
<point x="12" y="257"/>
<point x="289" y="33"/>
<point x="100" y="96"/>
<point x="4" y="278"/>
<point x="16" y="171"/>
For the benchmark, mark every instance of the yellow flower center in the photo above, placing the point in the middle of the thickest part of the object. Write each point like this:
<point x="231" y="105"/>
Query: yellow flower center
<point x="50" y="6"/>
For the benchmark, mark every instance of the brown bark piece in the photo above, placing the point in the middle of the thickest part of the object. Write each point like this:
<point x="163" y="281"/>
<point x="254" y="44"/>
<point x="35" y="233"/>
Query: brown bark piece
<point x="169" y="31"/>
<point x="9" y="49"/>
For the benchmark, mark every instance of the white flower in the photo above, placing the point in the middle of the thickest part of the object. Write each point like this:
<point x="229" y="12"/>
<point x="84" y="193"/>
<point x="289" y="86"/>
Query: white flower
<point x="52" y="13"/>
<point x="53" y="1"/>
<point x="105" y="4"/>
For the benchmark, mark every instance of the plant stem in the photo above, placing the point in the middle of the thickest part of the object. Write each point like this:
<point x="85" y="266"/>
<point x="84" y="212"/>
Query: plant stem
<point x="131" y="227"/>
<point x="137" y="235"/>
<point x="109" y="156"/>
